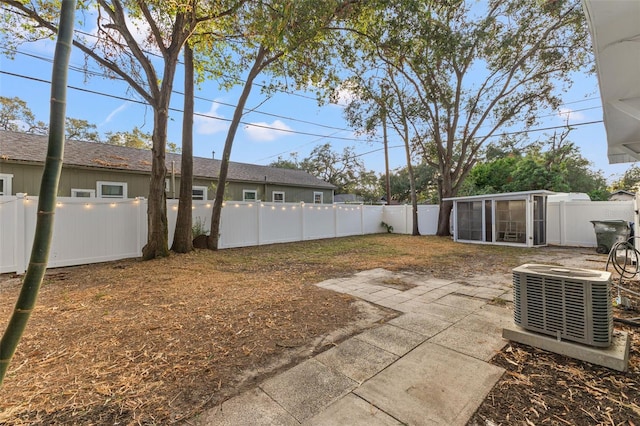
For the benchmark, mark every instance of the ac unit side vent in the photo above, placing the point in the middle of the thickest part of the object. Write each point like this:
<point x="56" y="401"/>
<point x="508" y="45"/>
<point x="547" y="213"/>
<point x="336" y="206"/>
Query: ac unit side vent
<point x="567" y="303"/>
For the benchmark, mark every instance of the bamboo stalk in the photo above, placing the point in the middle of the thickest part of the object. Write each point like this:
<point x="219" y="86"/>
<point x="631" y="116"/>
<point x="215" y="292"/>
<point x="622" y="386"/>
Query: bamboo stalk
<point x="48" y="191"/>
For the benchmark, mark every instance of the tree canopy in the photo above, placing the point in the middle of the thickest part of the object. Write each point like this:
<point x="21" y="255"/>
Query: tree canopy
<point x="466" y="70"/>
<point x="555" y="165"/>
<point x="343" y="169"/>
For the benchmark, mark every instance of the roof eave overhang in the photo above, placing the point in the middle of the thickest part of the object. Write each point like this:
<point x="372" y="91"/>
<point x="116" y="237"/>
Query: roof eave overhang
<point x="615" y="33"/>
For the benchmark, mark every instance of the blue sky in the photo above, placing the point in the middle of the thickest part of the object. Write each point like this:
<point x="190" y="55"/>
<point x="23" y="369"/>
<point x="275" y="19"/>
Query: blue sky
<point x="307" y="125"/>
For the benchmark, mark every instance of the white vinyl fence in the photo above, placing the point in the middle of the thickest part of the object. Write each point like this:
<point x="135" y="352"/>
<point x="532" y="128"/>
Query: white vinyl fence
<point x="98" y="230"/>
<point x="569" y="222"/>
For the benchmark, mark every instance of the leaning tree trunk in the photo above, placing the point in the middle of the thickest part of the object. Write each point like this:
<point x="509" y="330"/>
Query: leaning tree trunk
<point x="48" y="191"/>
<point x="183" y="235"/>
<point x="214" y="236"/>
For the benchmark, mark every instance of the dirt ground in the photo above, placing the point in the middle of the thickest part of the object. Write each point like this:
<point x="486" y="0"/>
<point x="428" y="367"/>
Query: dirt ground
<point x="157" y="342"/>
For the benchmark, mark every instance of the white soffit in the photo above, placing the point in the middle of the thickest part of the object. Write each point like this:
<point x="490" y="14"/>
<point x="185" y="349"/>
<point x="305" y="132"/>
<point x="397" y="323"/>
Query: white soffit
<point x="615" y="33"/>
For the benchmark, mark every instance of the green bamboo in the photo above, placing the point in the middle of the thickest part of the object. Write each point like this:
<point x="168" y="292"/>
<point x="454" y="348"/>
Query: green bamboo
<point x="48" y="191"/>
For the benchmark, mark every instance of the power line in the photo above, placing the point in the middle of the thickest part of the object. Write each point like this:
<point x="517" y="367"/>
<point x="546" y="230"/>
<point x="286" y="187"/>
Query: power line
<point x="103" y="75"/>
<point x="519" y="132"/>
<point x="262" y="126"/>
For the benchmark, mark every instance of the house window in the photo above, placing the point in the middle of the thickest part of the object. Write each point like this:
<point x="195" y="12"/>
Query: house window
<point x="5" y="184"/>
<point x="249" y="195"/>
<point x="278" y="196"/>
<point x="83" y="193"/>
<point x="112" y="189"/>
<point x="199" y="192"/>
<point x="318" y="197"/>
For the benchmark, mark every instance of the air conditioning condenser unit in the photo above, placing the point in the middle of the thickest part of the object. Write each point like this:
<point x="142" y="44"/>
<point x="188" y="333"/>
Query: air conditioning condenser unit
<point x="567" y="303"/>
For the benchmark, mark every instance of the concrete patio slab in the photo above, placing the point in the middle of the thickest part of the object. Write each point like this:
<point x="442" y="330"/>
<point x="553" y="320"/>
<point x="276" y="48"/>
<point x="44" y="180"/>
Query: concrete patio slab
<point x="264" y="411"/>
<point x="447" y="313"/>
<point x="465" y="302"/>
<point x="431" y="385"/>
<point x="375" y="273"/>
<point x="489" y="293"/>
<point x="507" y="296"/>
<point x="307" y="388"/>
<point x="412" y="306"/>
<point x="615" y="357"/>
<point x="500" y="315"/>
<point x="357" y="359"/>
<point x="353" y="411"/>
<point x="424" y="324"/>
<point x="474" y="335"/>
<point x="393" y="339"/>
<point x="432" y="282"/>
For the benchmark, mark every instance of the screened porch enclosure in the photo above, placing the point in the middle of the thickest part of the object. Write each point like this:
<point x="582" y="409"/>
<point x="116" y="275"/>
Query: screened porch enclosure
<point x="517" y="218"/>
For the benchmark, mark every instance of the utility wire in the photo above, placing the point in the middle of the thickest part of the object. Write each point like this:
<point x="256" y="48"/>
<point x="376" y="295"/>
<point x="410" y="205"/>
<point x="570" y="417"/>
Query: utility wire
<point x="103" y="75"/>
<point x="519" y="132"/>
<point x="262" y="126"/>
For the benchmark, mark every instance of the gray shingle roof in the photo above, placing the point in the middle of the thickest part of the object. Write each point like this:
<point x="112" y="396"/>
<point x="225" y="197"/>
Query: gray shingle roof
<point x="24" y="147"/>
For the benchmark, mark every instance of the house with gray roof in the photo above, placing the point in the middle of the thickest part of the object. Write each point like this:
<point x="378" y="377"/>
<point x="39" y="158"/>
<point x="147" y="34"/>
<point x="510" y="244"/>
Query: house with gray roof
<point x="100" y="170"/>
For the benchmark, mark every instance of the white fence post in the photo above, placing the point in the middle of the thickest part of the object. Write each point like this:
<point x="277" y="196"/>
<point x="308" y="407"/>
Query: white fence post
<point x="259" y="211"/>
<point x="141" y="222"/>
<point x="302" y="221"/>
<point x="21" y="255"/>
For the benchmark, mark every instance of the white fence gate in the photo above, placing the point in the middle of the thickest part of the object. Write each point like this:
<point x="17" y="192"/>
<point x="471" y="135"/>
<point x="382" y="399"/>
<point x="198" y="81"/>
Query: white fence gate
<point x="99" y="230"/>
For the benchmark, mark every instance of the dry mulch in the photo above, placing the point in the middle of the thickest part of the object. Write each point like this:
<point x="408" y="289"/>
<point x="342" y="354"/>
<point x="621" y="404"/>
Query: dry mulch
<point x="157" y="342"/>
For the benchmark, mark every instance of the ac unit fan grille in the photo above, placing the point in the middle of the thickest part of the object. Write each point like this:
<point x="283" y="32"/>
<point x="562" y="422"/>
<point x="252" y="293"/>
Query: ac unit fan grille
<point x="570" y="308"/>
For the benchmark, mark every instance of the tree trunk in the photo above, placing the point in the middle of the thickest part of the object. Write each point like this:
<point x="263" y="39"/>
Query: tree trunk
<point x="48" y="192"/>
<point x="444" y="213"/>
<point x="183" y="235"/>
<point x="414" y="200"/>
<point x="157" y="226"/>
<point x="412" y="186"/>
<point x="444" y="218"/>
<point x="214" y="236"/>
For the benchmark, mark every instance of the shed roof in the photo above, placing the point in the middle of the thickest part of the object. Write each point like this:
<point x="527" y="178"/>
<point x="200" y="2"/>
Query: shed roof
<point x="511" y="195"/>
<point x="29" y="148"/>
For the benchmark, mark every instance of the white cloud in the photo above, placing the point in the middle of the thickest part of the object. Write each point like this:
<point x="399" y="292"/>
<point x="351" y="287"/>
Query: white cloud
<point x="566" y="113"/>
<point x="208" y="123"/>
<point x="266" y="132"/>
<point x="114" y="113"/>
<point x="344" y="94"/>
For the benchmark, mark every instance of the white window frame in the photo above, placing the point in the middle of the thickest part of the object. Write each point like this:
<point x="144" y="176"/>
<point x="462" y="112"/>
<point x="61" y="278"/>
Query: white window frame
<point x="249" y="191"/>
<point x="102" y="183"/>
<point x="6" y="184"/>
<point x="273" y="196"/>
<point x="76" y="191"/>
<point x="199" y="188"/>
<point x="321" y="194"/>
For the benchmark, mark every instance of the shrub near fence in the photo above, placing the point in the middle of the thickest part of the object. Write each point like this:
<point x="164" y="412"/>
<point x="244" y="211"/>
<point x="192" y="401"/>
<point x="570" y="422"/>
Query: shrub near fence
<point x="91" y="230"/>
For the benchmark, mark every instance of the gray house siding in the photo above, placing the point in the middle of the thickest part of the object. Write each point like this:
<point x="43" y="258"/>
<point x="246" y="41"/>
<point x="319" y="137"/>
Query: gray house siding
<point x="87" y="163"/>
<point x="27" y="177"/>
<point x="235" y="191"/>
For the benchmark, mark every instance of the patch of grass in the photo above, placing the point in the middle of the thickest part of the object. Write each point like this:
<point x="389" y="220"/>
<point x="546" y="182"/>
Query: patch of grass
<point x="498" y="301"/>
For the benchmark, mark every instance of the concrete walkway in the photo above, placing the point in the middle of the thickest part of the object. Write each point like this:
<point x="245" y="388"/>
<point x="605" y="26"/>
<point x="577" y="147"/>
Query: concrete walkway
<point x="428" y="366"/>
